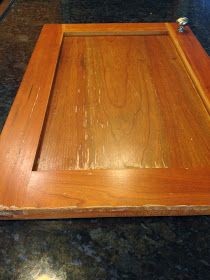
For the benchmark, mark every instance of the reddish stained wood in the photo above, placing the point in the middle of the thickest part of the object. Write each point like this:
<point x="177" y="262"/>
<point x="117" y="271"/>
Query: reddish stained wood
<point x="195" y="59"/>
<point x="115" y="28"/>
<point x="111" y="193"/>
<point x="118" y="188"/>
<point x="20" y="135"/>
<point x="123" y="108"/>
<point x="61" y="194"/>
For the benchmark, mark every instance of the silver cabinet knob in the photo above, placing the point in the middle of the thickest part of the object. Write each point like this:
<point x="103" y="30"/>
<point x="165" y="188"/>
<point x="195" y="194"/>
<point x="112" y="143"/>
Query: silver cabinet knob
<point x="182" y="21"/>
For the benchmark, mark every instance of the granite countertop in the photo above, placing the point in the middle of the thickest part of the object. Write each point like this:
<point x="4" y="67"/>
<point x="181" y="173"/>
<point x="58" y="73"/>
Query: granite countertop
<point x="112" y="248"/>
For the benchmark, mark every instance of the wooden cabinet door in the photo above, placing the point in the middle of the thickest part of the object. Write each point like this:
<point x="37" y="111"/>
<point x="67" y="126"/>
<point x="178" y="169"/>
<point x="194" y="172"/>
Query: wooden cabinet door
<point x="110" y="120"/>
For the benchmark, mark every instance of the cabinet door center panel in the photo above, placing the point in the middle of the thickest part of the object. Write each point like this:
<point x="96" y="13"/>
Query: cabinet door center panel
<point x="123" y="102"/>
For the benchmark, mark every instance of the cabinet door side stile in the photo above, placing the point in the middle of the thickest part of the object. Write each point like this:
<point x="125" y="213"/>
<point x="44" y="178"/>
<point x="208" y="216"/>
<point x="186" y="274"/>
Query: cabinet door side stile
<point x="195" y="59"/>
<point x="20" y="135"/>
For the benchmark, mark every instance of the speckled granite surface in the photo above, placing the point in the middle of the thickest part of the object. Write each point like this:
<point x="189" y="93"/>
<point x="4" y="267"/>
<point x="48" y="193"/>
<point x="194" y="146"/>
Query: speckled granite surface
<point x="141" y="248"/>
<point x="110" y="249"/>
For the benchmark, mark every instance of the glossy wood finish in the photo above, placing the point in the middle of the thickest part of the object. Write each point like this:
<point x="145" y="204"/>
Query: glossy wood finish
<point x="118" y="188"/>
<point x="173" y="109"/>
<point x="105" y="193"/>
<point x="197" y="63"/>
<point x="115" y="29"/>
<point x="20" y="135"/>
<point x="114" y="105"/>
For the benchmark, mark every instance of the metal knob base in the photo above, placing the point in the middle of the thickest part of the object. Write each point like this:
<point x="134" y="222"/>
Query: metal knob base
<point x="182" y="21"/>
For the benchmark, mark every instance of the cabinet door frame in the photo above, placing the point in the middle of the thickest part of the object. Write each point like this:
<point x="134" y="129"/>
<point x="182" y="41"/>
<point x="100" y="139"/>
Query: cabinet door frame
<point x="28" y="194"/>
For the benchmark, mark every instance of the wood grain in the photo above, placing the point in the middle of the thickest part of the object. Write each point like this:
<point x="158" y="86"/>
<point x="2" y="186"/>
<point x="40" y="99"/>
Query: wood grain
<point x="20" y="135"/>
<point x="162" y="122"/>
<point x="123" y="102"/>
<point x="197" y="62"/>
<point x="112" y="193"/>
<point x="118" y="188"/>
<point x="114" y="29"/>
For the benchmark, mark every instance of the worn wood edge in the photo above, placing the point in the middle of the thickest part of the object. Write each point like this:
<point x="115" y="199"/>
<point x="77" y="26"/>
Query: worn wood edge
<point x="10" y="153"/>
<point x="191" y="68"/>
<point x="171" y="208"/>
<point x="15" y="213"/>
<point x="23" y="85"/>
<point x="120" y="202"/>
<point x="113" y="28"/>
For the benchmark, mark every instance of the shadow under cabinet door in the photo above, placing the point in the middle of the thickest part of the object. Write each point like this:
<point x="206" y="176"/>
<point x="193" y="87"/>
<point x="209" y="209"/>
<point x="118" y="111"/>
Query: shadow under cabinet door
<point x="110" y="120"/>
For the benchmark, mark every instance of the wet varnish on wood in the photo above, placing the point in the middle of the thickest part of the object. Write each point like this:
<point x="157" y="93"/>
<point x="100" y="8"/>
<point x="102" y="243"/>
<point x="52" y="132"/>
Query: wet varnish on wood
<point x="123" y="102"/>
